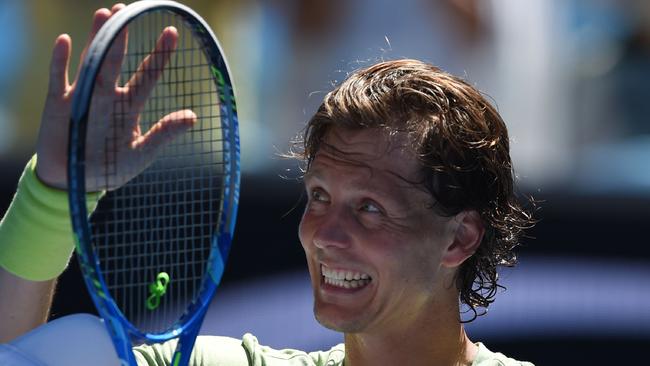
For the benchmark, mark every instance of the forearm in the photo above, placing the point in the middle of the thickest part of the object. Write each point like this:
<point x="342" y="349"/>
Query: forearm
<point x="36" y="242"/>
<point x="24" y="304"/>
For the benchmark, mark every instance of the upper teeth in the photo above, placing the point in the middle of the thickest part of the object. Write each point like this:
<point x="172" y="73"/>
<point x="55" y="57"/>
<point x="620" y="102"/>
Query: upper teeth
<point x="342" y="274"/>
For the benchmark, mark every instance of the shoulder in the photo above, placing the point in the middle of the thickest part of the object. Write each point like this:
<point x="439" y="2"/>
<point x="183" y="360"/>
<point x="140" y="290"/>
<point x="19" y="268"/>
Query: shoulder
<point x="485" y="357"/>
<point x="208" y="351"/>
<point x="263" y="355"/>
<point x="225" y="351"/>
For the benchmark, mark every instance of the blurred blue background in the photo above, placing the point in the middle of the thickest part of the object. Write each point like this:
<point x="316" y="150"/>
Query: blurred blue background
<point x="570" y="77"/>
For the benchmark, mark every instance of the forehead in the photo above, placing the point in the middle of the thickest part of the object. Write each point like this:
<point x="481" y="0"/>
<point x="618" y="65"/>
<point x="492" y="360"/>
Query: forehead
<point x="372" y="148"/>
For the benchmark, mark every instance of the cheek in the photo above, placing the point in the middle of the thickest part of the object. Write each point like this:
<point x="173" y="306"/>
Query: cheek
<point x="410" y="261"/>
<point x="303" y="232"/>
<point x="426" y="265"/>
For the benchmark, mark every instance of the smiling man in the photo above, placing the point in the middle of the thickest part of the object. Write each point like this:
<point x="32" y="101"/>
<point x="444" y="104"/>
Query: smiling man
<point x="411" y="208"/>
<point x="382" y="264"/>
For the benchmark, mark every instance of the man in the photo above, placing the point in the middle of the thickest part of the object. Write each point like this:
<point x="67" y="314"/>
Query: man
<point x="410" y="210"/>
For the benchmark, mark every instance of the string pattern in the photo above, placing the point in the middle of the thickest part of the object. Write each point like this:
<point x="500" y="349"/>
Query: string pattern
<point x="163" y="219"/>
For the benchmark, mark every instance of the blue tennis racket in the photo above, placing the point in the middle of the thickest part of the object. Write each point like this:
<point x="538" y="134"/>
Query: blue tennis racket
<point x="154" y="125"/>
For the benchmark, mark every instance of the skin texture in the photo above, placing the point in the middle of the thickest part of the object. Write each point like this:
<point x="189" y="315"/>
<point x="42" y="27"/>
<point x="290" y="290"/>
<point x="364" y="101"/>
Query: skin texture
<point x="24" y="304"/>
<point x="363" y="216"/>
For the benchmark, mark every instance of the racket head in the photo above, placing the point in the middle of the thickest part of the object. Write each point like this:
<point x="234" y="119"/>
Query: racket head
<point x="207" y="154"/>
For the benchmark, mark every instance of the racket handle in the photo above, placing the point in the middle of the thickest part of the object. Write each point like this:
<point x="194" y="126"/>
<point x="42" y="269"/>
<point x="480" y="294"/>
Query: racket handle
<point x="186" y="342"/>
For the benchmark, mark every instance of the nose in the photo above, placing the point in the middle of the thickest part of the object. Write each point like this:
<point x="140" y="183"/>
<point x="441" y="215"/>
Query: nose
<point x="333" y="230"/>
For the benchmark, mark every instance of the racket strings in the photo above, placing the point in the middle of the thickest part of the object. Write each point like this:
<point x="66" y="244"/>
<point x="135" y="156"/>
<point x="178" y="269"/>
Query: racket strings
<point x="163" y="220"/>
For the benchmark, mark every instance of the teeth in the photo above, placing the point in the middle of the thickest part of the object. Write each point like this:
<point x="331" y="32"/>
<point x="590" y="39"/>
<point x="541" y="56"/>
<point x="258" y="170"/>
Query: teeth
<point x="344" y="278"/>
<point x="346" y="284"/>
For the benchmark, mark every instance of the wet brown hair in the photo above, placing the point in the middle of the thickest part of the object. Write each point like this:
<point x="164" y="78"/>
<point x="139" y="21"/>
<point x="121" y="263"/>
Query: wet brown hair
<point x="463" y="147"/>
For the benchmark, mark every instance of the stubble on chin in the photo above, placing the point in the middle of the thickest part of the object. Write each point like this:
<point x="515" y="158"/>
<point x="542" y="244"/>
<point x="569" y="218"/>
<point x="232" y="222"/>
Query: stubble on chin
<point x="338" y="325"/>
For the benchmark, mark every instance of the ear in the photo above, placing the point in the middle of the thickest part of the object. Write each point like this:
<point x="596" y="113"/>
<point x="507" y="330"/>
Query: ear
<point x="468" y="235"/>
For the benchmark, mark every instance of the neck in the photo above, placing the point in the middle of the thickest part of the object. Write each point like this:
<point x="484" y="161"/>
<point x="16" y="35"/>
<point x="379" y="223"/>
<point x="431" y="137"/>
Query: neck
<point x="439" y="340"/>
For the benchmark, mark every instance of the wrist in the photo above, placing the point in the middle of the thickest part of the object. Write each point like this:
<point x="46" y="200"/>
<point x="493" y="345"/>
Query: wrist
<point x="36" y="238"/>
<point x="47" y="176"/>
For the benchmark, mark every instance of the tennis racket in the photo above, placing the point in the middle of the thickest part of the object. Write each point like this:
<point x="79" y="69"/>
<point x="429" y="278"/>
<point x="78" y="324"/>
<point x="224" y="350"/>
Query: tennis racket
<point x="154" y="125"/>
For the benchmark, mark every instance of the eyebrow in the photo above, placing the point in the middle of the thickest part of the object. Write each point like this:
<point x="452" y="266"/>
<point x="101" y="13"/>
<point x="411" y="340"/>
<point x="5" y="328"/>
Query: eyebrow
<point x="392" y="193"/>
<point x="310" y="175"/>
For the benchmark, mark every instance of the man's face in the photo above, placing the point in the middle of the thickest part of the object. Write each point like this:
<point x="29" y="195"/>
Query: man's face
<point x="372" y="242"/>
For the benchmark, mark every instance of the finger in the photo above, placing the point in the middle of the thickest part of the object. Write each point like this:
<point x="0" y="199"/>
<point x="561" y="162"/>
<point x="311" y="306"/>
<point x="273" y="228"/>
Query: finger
<point x="112" y="64"/>
<point x="110" y="72"/>
<point x="165" y="130"/>
<point x="100" y="17"/>
<point x="117" y="7"/>
<point x="59" y="64"/>
<point x="143" y="81"/>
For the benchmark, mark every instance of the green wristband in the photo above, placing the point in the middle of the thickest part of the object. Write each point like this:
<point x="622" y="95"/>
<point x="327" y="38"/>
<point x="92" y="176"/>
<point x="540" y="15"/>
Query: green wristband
<point x="36" y="238"/>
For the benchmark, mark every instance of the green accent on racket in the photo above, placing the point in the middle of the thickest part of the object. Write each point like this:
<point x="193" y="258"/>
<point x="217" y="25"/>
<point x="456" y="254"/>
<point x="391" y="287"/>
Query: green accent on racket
<point x="177" y="358"/>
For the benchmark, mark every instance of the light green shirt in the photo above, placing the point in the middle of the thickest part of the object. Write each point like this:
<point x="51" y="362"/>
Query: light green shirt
<point x="224" y="351"/>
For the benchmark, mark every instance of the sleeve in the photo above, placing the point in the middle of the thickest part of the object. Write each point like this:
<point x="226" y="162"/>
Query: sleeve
<point x="259" y="355"/>
<point x="208" y="351"/>
<point x="36" y="237"/>
<point x="224" y="351"/>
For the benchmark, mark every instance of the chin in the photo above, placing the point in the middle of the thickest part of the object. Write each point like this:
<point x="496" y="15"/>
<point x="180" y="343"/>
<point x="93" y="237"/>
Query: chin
<point x="332" y="319"/>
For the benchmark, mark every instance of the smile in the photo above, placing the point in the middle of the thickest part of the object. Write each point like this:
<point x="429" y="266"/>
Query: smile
<point x="345" y="278"/>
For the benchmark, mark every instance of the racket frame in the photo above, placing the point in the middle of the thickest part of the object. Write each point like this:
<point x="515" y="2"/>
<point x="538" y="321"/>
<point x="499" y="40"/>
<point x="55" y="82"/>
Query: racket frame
<point x="123" y="333"/>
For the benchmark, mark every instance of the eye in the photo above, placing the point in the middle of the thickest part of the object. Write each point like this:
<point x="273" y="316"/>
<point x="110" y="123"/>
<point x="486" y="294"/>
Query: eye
<point x="370" y="207"/>
<point x="318" y="195"/>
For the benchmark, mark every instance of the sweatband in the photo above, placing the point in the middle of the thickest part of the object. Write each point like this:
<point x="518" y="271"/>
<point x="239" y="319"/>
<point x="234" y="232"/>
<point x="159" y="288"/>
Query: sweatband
<point x="36" y="238"/>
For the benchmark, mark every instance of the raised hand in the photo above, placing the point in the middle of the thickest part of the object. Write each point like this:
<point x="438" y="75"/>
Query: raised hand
<point x="108" y="130"/>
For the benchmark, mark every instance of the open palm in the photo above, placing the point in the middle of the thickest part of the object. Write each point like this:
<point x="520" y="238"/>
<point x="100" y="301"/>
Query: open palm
<point x="116" y="148"/>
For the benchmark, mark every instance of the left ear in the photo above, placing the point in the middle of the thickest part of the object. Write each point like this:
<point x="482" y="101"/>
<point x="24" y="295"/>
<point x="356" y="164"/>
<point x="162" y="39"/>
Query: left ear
<point x="468" y="235"/>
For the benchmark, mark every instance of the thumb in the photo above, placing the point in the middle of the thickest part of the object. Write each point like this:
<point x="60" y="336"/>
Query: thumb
<point x="165" y="130"/>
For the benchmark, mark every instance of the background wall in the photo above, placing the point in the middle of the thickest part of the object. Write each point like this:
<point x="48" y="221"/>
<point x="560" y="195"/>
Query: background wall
<point x="570" y="77"/>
